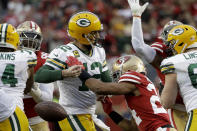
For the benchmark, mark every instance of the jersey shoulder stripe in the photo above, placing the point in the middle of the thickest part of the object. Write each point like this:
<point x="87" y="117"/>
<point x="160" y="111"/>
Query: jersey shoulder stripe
<point x="167" y="68"/>
<point x="32" y="62"/>
<point x="58" y="63"/>
<point x="130" y="78"/>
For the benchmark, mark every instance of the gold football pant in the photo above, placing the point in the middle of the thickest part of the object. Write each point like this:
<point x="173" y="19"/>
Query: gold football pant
<point x="178" y="119"/>
<point x="43" y="126"/>
<point x="82" y="122"/>
<point x="16" y="122"/>
<point x="192" y="121"/>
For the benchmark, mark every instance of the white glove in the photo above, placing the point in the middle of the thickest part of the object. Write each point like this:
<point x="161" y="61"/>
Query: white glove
<point x="136" y="8"/>
<point x="36" y="92"/>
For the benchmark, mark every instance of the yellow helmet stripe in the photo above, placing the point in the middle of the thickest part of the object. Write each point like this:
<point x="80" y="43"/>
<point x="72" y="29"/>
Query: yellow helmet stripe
<point x="3" y="32"/>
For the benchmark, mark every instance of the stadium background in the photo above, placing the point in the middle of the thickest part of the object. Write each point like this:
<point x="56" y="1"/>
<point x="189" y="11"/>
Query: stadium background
<point x="53" y="15"/>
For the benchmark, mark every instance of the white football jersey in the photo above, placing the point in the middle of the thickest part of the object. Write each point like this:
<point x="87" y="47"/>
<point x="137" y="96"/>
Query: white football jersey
<point x="7" y="105"/>
<point x="75" y="97"/>
<point x="13" y="73"/>
<point x="185" y="66"/>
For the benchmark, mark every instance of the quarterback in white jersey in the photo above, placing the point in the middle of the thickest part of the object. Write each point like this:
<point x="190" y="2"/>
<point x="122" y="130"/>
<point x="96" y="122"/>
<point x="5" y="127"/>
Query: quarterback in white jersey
<point x="75" y="97"/>
<point x="16" y="72"/>
<point x="180" y="71"/>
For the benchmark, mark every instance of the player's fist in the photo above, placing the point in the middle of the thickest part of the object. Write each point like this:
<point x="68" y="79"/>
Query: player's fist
<point x="107" y="105"/>
<point x="136" y="8"/>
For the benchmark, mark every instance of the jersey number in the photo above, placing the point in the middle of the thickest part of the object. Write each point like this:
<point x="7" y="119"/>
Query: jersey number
<point x="97" y="76"/>
<point x="192" y="70"/>
<point x="8" y="75"/>
<point x="153" y="100"/>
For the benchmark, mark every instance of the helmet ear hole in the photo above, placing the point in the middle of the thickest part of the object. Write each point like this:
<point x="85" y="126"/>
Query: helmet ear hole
<point x="83" y="35"/>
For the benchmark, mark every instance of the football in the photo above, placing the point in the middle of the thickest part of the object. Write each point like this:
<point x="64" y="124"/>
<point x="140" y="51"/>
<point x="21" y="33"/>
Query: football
<point x="50" y="111"/>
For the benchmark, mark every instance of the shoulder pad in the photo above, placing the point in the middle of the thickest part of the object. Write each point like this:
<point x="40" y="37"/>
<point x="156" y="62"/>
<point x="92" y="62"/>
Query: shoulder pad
<point x="133" y="77"/>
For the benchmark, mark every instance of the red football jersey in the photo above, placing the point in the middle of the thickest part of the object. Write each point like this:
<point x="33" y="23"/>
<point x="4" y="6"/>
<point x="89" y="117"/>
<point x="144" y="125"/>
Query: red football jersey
<point x="29" y="102"/>
<point x="146" y="108"/>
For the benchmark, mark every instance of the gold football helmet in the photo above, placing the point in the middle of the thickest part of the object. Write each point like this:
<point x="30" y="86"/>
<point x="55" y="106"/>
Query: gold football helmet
<point x="84" y="27"/>
<point x="182" y="37"/>
<point x="127" y="63"/>
<point x="167" y="27"/>
<point x="9" y="36"/>
<point x="30" y="35"/>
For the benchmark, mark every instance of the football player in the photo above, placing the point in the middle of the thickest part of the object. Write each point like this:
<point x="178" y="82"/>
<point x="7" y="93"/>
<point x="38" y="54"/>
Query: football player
<point x="78" y="101"/>
<point x="16" y="72"/>
<point x="140" y="94"/>
<point x="154" y="54"/>
<point x="31" y="39"/>
<point x="180" y="71"/>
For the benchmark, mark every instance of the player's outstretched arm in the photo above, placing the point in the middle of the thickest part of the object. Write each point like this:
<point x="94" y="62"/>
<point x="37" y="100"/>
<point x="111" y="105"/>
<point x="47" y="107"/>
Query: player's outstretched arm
<point x="108" y="88"/>
<point x="142" y="49"/>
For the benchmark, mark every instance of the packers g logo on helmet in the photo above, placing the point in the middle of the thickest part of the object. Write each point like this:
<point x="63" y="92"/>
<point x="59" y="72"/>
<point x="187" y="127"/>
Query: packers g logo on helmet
<point x="9" y="38"/>
<point x="181" y="37"/>
<point x="82" y="26"/>
<point x="83" y="22"/>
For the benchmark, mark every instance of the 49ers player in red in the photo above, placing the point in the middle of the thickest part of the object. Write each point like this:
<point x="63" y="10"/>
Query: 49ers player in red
<point x="154" y="55"/>
<point x="140" y="94"/>
<point x="31" y="38"/>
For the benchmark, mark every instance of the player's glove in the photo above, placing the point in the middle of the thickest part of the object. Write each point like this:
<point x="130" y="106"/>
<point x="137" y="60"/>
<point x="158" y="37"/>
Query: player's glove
<point x="36" y="92"/>
<point x="107" y="104"/>
<point x="71" y="61"/>
<point x="107" y="107"/>
<point x="136" y="8"/>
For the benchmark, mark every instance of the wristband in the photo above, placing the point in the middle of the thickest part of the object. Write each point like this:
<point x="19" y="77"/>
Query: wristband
<point x="115" y="117"/>
<point x="137" y="16"/>
<point x="84" y="76"/>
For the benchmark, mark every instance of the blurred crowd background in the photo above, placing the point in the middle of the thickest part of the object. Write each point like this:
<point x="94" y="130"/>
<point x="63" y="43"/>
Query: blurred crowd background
<point x="53" y="15"/>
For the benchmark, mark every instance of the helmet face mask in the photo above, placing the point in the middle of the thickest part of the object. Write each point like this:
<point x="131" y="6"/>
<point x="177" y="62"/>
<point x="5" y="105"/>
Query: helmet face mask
<point x="30" y="35"/>
<point x="127" y="63"/>
<point x="30" y="40"/>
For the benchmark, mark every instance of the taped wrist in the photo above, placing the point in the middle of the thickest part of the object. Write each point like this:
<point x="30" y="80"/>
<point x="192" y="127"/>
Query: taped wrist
<point x="84" y="76"/>
<point x="115" y="117"/>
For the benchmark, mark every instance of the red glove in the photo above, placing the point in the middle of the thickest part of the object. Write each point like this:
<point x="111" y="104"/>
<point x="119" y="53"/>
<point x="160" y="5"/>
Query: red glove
<point x="107" y="105"/>
<point x="71" y="61"/>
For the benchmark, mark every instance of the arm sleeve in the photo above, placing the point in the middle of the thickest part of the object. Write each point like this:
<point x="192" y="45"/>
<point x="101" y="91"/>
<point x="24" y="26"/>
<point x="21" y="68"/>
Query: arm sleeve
<point x="47" y="74"/>
<point x="46" y="91"/>
<point x="143" y="50"/>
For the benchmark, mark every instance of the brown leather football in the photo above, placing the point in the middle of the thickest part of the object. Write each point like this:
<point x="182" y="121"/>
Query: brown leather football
<point x="50" y="111"/>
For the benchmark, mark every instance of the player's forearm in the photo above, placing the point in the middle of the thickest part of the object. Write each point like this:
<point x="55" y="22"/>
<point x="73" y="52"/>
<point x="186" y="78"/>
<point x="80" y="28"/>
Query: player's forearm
<point x="142" y="49"/>
<point x="47" y="74"/>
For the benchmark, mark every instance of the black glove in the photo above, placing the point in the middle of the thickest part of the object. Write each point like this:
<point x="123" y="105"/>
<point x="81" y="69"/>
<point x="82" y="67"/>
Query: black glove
<point x="84" y="76"/>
